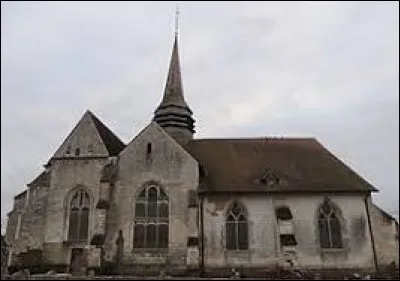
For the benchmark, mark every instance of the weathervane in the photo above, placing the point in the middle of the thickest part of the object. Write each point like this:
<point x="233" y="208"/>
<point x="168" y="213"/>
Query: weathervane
<point x="176" y="19"/>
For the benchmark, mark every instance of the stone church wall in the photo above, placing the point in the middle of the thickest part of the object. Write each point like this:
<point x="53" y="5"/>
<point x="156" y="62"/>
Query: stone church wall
<point x="173" y="169"/>
<point x="264" y="243"/>
<point x="386" y="237"/>
<point x="357" y="248"/>
<point x="33" y="218"/>
<point x="67" y="176"/>
<point x="27" y="222"/>
<point x="262" y="234"/>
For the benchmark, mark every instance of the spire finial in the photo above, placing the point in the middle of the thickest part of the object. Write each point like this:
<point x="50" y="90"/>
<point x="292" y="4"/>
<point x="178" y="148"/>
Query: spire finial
<point x="176" y="19"/>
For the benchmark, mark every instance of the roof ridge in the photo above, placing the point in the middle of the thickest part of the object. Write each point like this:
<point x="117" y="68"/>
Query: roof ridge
<point x="257" y="139"/>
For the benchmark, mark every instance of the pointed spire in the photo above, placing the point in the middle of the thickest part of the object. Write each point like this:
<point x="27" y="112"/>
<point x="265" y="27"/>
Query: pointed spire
<point x="173" y="92"/>
<point x="173" y="114"/>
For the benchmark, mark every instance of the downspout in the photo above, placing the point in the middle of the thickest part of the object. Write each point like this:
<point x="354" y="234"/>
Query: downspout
<point x="202" y="235"/>
<point x="371" y="232"/>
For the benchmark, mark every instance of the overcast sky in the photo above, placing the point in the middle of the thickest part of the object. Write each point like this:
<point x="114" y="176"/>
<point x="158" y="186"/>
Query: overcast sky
<point x="327" y="70"/>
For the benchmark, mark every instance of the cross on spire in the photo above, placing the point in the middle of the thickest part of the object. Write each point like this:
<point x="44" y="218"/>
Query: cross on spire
<point x="176" y="19"/>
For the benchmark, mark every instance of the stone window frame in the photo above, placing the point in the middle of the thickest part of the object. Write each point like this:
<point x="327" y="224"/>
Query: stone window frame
<point x="328" y="202"/>
<point x="157" y="220"/>
<point x="67" y="211"/>
<point x="243" y="212"/>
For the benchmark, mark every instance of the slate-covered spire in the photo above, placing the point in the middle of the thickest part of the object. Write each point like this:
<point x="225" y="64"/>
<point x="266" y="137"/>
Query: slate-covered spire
<point x="173" y="114"/>
<point x="173" y="92"/>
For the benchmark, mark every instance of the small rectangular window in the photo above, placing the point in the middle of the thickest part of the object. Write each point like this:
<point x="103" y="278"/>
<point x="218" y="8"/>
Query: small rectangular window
<point x="283" y="213"/>
<point x="77" y="151"/>
<point x="193" y="241"/>
<point x="90" y="148"/>
<point x="288" y="240"/>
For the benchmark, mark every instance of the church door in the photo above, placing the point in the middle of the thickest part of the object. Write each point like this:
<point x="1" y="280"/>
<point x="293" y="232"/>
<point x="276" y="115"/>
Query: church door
<point x="78" y="262"/>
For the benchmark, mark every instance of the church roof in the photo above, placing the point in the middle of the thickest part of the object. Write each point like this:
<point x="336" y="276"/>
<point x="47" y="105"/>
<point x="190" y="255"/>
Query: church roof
<point x="113" y="144"/>
<point x="293" y="164"/>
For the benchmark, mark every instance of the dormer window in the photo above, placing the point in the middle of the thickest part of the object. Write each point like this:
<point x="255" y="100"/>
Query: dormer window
<point x="269" y="179"/>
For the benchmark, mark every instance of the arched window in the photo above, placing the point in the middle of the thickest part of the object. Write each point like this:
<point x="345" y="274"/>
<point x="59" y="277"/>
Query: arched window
<point x="79" y="216"/>
<point x="236" y="229"/>
<point x="151" y="219"/>
<point x="330" y="235"/>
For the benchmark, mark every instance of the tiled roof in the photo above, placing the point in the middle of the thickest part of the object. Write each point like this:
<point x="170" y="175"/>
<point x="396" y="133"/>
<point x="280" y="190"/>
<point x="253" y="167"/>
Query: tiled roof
<point x="272" y="165"/>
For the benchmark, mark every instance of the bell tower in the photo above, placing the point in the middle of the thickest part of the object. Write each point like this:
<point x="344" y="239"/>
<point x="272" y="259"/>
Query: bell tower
<point x="173" y="114"/>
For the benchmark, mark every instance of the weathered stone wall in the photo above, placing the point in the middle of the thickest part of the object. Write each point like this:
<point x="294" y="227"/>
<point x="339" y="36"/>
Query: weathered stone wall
<point x="78" y="163"/>
<point x="386" y="238"/>
<point x="84" y="137"/>
<point x="262" y="250"/>
<point x="168" y="166"/>
<point x="67" y="177"/>
<point x="13" y="217"/>
<point x="72" y="170"/>
<point x="357" y="248"/>
<point x="264" y="246"/>
<point x="28" y="219"/>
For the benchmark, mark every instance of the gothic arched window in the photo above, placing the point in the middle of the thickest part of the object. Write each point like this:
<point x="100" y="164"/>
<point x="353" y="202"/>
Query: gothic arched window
<point x="330" y="235"/>
<point x="236" y="228"/>
<point x="151" y="219"/>
<point x="79" y="210"/>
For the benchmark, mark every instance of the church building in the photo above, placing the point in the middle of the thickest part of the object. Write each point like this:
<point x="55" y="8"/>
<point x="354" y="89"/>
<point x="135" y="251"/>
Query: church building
<point x="169" y="202"/>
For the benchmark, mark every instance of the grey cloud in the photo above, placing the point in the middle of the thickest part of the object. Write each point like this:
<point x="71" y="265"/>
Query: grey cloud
<point x="328" y="70"/>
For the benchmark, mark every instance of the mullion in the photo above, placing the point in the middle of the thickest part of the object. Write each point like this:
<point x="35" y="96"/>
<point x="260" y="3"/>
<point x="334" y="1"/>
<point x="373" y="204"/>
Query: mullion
<point x="237" y="234"/>
<point x="156" y="223"/>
